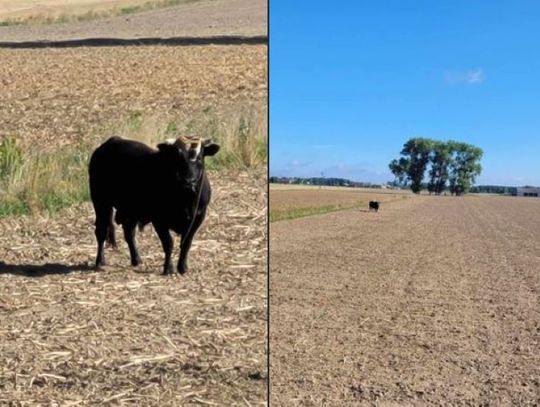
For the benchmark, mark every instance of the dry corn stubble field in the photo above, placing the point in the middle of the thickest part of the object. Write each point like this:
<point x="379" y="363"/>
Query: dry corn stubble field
<point x="52" y="97"/>
<point x="433" y="300"/>
<point x="72" y="336"/>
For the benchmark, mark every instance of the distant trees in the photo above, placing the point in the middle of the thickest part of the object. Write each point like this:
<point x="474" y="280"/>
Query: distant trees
<point x="342" y="182"/>
<point x="453" y="165"/>
<point x="494" y="189"/>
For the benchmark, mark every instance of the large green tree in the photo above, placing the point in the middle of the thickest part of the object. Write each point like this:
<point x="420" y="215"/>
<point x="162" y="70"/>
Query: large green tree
<point x="464" y="167"/>
<point x="441" y="156"/>
<point x="400" y="169"/>
<point x="451" y="164"/>
<point x="410" y="168"/>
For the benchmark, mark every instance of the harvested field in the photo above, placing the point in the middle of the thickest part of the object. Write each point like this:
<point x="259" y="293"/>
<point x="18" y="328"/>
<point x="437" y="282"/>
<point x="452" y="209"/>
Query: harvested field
<point x="53" y="97"/>
<point x="34" y="8"/>
<point x="287" y="198"/>
<point x="200" y="18"/>
<point x="432" y="301"/>
<point x="72" y="336"/>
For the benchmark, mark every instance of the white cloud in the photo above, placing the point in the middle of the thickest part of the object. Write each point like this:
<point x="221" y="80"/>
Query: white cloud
<point x="470" y="77"/>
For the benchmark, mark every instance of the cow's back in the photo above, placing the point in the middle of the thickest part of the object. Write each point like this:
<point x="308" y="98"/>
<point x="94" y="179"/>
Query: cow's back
<point x="118" y="169"/>
<point x="118" y="154"/>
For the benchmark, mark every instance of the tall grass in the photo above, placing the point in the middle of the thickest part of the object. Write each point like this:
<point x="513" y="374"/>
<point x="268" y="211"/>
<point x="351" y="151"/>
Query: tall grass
<point x="241" y="135"/>
<point x="242" y="138"/>
<point x="32" y="182"/>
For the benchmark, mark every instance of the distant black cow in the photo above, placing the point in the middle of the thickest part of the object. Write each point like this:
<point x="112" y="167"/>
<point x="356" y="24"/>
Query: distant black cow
<point x="374" y="206"/>
<point x="167" y="187"/>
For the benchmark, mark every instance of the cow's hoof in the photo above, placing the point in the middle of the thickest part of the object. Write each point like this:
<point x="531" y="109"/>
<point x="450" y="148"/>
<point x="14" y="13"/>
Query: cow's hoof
<point x="182" y="269"/>
<point x="168" y="271"/>
<point x="136" y="262"/>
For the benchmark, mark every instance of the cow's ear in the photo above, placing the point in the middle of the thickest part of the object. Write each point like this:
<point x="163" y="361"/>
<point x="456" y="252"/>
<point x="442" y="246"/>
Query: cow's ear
<point x="211" y="149"/>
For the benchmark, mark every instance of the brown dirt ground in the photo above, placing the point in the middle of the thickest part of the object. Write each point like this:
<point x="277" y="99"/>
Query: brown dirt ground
<point x="283" y="199"/>
<point x="197" y="19"/>
<point x="60" y="96"/>
<point x="123" y="335"/>
<point x="434" y="300"/>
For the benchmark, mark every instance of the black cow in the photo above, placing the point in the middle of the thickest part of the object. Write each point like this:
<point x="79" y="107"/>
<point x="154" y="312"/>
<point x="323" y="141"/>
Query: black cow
<point x="167" y="187"/>
<point x="374" y="206"/>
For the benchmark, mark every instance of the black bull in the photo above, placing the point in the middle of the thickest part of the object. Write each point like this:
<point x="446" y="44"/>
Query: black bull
<point x="167" y="187"/>
<point x="374" y="206"/>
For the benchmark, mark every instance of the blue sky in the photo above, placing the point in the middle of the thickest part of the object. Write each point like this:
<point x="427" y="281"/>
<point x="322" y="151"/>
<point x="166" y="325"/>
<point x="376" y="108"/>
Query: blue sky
<point x="351" y="81"/>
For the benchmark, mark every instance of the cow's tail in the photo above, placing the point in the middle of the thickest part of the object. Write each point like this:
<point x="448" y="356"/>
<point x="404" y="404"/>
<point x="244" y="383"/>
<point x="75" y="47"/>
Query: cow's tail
<point x="111" y="237"/>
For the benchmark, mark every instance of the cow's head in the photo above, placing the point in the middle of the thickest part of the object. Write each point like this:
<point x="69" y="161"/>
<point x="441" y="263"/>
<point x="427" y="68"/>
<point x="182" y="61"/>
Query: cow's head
<point x="186" y="158"/>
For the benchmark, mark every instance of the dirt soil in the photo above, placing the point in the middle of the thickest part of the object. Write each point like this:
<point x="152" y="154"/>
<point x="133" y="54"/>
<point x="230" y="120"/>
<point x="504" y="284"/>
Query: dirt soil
<point x="433" y="300"/>
<point x="53" y="97"/>
<point x="197" y="19"/>
<point x="283" y="199"/>
<point x="69" y="334"/>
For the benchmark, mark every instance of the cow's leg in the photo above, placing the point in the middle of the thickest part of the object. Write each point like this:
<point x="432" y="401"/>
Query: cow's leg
<point x="111" y="238"/>
<point x="129" y="235"/>
<point x="103" y="220"/>
<point x="167" y="244"/>
<point x="186" y="243"/>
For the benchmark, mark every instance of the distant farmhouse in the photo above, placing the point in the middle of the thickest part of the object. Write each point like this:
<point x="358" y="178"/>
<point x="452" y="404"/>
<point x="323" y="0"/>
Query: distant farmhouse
<point x="528" y="191"/>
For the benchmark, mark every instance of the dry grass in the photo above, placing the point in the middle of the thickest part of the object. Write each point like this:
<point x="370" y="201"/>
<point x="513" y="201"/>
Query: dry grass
<point x="55" y="11"/>
<point x="71" y="336"/>
<point x="201" y="19"/>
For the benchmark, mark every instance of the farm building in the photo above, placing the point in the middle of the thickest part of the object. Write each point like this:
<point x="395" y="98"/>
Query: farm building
<point x="528" y="191"/>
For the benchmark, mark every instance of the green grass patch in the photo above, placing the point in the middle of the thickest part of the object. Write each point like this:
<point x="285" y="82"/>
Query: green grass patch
<point x="41" y="182"/>
<point x="293" y="213"/>
<point x="130" y="9"/>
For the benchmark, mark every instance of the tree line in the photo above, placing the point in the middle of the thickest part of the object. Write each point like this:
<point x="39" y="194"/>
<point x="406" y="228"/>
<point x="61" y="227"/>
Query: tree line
<point x="494" y="189"/>
<point x="451" y="165"/>
<point x="342" y="182"/>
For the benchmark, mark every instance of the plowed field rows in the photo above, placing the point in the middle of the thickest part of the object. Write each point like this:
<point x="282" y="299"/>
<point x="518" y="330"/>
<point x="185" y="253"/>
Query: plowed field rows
<point x="433" y="300"/>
